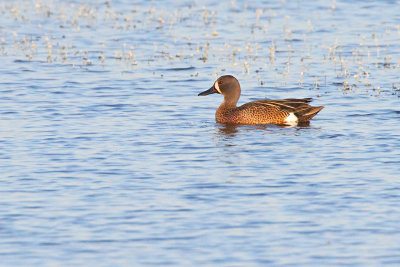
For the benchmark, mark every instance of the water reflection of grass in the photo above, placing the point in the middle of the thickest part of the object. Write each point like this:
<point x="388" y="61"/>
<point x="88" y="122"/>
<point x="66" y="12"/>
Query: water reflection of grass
<point x="277" y="45"/>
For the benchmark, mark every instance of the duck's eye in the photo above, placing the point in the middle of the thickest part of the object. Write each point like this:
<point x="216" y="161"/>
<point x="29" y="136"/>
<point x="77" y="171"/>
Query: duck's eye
<point x="220" y="82"/>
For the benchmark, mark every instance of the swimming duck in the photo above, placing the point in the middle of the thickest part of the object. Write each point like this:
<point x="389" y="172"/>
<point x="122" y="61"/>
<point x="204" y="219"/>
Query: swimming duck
<point x="289" y="111"/>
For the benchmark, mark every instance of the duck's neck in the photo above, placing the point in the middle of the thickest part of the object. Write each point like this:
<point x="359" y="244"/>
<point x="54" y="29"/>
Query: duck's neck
<point x="229" y="103"/>
<point x="226" y="110"/>
<point x="231" y="100"/>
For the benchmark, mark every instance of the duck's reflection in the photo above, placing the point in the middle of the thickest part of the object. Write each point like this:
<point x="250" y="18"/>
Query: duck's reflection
<point x="229" y="131"/>
<point x="232" y="129"/>
<point x="238" y="142"/>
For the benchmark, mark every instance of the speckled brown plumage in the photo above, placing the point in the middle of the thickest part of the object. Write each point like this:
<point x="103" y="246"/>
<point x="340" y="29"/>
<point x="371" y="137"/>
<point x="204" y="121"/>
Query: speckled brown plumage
<point x="258" y="112"/>
<point x="267" y="111"/>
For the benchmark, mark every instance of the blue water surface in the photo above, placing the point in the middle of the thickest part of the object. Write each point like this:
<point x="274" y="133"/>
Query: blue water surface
<point x="108" y="157"/>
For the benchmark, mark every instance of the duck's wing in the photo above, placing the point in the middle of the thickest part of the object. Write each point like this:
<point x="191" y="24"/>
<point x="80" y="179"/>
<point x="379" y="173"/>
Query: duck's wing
<point x="289" y="104"/>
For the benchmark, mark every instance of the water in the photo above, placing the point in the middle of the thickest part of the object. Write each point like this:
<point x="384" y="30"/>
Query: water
<point x="108" y="156"/>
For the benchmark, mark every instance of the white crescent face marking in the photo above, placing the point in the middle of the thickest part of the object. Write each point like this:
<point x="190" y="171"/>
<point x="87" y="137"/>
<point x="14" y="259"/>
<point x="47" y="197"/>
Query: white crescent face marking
<point x="217" y="87"/>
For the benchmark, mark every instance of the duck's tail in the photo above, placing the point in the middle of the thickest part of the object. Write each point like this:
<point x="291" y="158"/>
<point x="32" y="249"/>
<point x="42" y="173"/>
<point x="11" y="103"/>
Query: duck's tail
<point x="307" y="113"/>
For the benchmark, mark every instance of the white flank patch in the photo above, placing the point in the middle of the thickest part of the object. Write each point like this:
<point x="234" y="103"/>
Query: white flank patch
<point x="291" y="119"/>
<point x="217" y="87"/>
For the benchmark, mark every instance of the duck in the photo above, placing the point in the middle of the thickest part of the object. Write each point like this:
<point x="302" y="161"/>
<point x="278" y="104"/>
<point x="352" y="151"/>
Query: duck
<point x="290" y="111"/>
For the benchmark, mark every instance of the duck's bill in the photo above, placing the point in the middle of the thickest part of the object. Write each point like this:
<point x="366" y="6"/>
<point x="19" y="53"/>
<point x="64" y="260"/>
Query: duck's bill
<point x="209" y="91"/>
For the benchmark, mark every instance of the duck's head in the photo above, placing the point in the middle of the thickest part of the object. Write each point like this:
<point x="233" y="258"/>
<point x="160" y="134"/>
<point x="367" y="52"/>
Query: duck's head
<point x="226" y="85"/>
